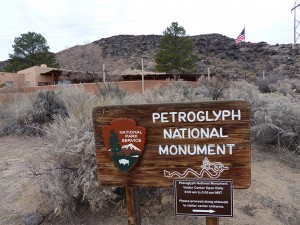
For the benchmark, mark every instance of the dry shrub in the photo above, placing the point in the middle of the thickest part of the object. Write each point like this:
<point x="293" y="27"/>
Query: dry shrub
<point x="286" y="87"/>
<point x="29" y="114"/>
<point x="242" y="90"/>
<point x="275" y="118"/>
<point x="131" y="99"/>
<point x="45" y="106"/>
<point x="278" y="122"/>
<point x="173" y="92"/>
<point x="14" y="115"/>
<point x="213" y="88"/>
<point x="111" y="93"/>
<point x="290" y="157"/>
<point x="77" y="101"/>
<point x="7" y="98"/>
<point x="264" y="83"/>
<point x="71" y="177"/>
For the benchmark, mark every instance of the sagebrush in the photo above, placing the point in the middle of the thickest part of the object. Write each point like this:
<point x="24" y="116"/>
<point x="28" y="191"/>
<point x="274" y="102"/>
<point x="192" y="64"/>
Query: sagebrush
<point x="278" y="122"/>
<point x="72" y="177"/>
<point x="65" y="119"/>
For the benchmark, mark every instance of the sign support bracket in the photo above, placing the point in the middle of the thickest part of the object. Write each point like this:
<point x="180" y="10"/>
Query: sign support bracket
<point x="133" y="206"/>
<point x="212" y="221"/>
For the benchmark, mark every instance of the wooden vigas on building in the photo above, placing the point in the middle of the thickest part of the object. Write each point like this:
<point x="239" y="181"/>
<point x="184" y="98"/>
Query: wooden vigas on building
<point x="151" y="145"/>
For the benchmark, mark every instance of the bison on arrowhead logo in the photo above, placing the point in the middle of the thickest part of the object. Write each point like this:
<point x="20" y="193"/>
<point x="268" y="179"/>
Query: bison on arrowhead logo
<point x="125" y="142"/>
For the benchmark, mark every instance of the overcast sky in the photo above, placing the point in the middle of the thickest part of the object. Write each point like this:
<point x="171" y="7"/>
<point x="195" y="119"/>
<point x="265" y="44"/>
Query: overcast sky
<point x="65" y="23"/>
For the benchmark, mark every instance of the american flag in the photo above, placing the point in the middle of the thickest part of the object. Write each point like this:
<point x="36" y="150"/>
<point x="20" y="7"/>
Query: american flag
<point x="241" y="37"/>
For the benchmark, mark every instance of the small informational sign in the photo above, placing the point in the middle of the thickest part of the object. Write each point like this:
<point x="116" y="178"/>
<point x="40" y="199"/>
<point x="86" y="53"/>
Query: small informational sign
<point x="209" y="198"/>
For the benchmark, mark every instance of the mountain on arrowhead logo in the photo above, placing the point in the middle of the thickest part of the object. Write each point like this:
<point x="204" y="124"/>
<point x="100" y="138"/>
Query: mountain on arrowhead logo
<point x="125" y="142"/>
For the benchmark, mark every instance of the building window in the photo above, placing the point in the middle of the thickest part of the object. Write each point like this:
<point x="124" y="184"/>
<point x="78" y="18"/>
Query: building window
<point x="43" y="83"/>
<point x="62" y="82"/>
<point x="9" y="83"/>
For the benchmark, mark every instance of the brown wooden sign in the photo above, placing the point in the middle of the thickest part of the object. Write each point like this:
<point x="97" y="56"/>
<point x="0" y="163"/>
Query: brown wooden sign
<point x="182" y="140"/>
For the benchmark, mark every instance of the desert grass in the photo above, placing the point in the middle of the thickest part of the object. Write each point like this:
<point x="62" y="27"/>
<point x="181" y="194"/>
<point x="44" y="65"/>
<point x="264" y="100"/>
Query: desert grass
<point x="14" y="114"/>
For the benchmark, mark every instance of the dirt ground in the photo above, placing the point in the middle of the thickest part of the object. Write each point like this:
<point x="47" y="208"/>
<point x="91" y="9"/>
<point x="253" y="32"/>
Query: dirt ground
<point x="272" y="199"/>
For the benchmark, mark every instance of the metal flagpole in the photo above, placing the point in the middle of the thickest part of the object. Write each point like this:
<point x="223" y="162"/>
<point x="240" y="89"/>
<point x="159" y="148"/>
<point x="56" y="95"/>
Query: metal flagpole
<point x="245" y="66"/>
<point x="239" y="39"/>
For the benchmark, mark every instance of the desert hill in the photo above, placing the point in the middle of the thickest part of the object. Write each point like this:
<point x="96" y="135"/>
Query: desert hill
<point x="122" y="54"/>
<point x="217" y="52"/>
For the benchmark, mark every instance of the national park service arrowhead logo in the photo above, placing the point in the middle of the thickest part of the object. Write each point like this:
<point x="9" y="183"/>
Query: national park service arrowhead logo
<point x="125" y="142"/>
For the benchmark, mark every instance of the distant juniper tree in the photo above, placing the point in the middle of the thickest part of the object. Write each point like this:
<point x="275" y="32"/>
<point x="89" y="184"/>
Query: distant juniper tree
<point x="114" y="143"/>
<point x="30" y="49"/>
<point x="176" y="54"/>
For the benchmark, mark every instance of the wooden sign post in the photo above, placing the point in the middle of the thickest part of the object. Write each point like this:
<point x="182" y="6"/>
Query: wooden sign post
<point x="212" y="221"/>
<point x="133" y="206"/>
<point x="137" y="143"/>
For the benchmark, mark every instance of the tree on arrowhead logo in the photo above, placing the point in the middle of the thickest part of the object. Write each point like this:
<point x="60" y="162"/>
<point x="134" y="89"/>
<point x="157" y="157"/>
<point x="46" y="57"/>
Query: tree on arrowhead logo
<point x="125" y="142"/>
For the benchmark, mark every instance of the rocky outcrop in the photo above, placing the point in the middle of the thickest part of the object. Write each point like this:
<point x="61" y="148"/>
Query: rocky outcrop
<point x="123" y="46"/>
<point x="224" y="56"/>
<point x="219" y="53"/>
<point x="128" y="50"/>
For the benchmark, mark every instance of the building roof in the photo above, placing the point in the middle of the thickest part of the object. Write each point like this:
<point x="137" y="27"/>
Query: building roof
<point x="128" y="74"/>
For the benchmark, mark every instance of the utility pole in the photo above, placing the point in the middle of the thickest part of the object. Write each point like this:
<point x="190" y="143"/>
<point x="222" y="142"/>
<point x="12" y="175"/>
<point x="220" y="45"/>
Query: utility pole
<point x="143" y="82"/>
<point x="296" y="22"/>
<point x="104" y="73"/>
